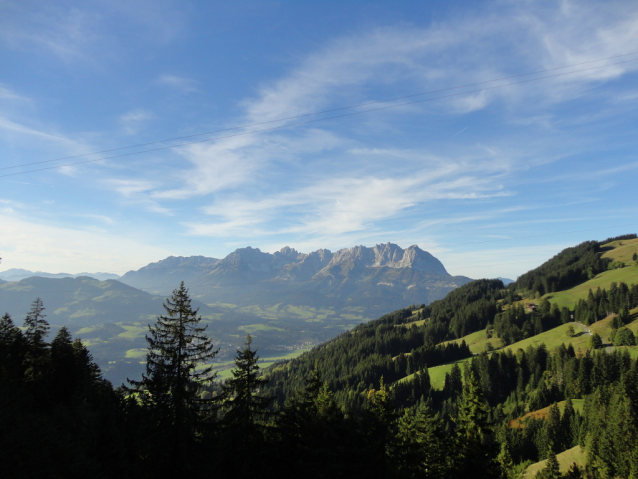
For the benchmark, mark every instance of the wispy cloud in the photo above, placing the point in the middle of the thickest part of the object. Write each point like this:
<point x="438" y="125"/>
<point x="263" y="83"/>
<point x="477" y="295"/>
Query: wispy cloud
<point x="184" y="84"/>
<point x="134" y="120"/>
<point x="339" y="206"/>
<point x="8" y="95"/>
<point x="457" y="52"/>
<point x="342" y="179"/>
<point x="135" y="192"/>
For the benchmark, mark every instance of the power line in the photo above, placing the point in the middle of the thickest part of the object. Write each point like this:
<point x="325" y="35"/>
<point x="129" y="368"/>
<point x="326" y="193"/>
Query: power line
<point x="319" y="112"/>
<point x="312" y="121"/>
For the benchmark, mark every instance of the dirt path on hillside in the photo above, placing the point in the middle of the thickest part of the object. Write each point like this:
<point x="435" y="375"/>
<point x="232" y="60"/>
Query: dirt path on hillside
<point x="587" y="331"/>
<point x="584" y="328"/>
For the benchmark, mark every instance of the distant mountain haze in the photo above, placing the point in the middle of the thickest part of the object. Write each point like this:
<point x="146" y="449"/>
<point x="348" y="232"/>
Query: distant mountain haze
<point x="390" y="275"/>
<point x="286" y="300"/>
<point x="17" y="274"/>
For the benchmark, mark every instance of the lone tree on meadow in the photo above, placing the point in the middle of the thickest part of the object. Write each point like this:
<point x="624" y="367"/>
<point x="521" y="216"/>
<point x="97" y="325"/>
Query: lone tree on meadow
<point x="177" y="345"/>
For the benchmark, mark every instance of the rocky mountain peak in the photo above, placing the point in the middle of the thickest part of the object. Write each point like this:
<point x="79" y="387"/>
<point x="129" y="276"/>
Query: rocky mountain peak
<point x="389" y="255"/>
<point x="289" y="253"/>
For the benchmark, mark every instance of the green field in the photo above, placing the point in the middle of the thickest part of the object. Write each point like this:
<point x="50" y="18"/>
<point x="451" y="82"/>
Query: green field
<point x="554" y="338"/>
<point x="251" y="328"/>
<point x="622" y="250"/>
<point x="133" y="331"/>
<point x="421" y="322"/>
<point x="565" y="460"/>
<point x="437" y="373"/>
<point x="136" y="353"/>
<point x="224" y="369"/>
<point x="477" y="341"/>
<point x="568" y="298"/>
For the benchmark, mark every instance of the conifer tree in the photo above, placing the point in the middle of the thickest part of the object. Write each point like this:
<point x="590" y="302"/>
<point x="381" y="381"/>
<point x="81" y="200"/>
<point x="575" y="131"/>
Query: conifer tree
<point x="423" y="449"/>
<point x="310" y="427"/>
<point x="64" y="372"/>
<point x="378" y="424"/>
<point x="245" y="412"/>
<point x="36" y="329"/>
<point x="595" y="341"/>
<point x="243" y="407"/>
<point x="475" y="442"/>
<point x="12" y="350"/>
<point x="506" y="462"/>
<point x="177" y="345"/>
<point x="552" y="469"/>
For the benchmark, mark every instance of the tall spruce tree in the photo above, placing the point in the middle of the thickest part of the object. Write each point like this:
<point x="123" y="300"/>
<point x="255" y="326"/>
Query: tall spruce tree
<point x="422" y="450"/>
<point x="244" y="413"/>
<point x="476" y="452"/>
<point x="12" y="350"/>
<point x="177" y="345"/>
<point x="244" y="407"/>
<point x="36" y="329"/>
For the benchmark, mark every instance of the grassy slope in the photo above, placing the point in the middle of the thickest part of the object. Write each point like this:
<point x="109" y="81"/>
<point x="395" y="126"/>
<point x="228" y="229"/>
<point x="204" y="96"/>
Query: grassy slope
<point x="477" y="341"/>
<point x="565" y="460"/>
<point x="628" y="274"/>
<point x="552" y="339"/>
<point x="568" y="298"/>
<point x="622" y="250"/>
<point x="437" y="373"/>
<point x="544" y="413"/>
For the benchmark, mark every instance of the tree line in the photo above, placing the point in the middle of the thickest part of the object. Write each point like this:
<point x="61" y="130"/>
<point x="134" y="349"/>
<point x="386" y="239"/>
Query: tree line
<point x="62" y="419"/>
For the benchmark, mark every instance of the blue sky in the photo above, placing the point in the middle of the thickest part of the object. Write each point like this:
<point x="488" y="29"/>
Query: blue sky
<point x="492" y="182"/>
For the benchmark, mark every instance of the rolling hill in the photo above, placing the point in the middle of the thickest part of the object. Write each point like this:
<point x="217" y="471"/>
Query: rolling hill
<point x="287" y="300"/>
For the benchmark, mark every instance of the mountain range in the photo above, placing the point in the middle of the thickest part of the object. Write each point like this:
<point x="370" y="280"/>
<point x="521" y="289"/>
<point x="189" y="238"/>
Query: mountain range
<point x="377" y="278"/>
<point x="17" y="274"/>
<point x="286" y="300"/>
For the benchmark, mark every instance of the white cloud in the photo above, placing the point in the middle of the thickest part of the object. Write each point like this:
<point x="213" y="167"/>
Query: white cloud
<point x="16" y="128"/>
<point x="136" y="192"/>
<point x="9" y="95"/>
<point x="87" y="33"/>
<point x="64" y="32"/>
<point x="134" y="120"/>
<point x="32" y="245"/>
<point x="340" y="206"/>
<point x="460" y="51"/>
<point x="244" y="160"/>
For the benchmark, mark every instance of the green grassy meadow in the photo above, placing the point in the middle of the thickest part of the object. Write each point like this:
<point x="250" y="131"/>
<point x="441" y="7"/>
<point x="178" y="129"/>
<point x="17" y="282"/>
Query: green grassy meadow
<point x="568" y="298"/>
<point x="565" y="460"/>
<point x="477" y="341"/>
<point x="622" y="250"/>
<point x="437" y="374"/>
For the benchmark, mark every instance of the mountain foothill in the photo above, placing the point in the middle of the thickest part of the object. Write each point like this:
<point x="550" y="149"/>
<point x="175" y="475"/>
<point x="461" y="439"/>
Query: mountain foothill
<point x="535" y="378"/>
<point x="289" y="301"/>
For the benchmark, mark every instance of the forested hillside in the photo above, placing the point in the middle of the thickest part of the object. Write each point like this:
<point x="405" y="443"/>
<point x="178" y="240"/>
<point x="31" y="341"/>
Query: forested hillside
<point x="405" y="347"/>
<point x="407" y="395"/>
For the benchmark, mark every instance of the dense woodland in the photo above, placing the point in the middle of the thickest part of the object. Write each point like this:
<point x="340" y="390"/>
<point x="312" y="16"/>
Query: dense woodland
<point x="361" y="405"/>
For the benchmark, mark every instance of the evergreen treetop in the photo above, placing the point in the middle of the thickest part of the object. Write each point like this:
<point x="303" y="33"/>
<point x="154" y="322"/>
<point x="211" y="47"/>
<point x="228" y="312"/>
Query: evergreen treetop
<point x="177" y="345"/>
